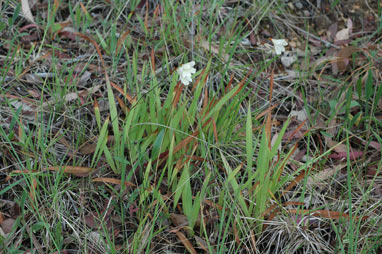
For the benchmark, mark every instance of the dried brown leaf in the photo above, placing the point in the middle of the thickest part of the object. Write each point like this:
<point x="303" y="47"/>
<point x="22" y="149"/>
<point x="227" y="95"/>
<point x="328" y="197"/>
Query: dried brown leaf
<point x="343" y="155"/>
<point x="344" y="34"/>
<point x="178" y="219"/>
<point x="186" y="242"/>
<point x="202" y="244"/>
<point x="344" y="56"/>
<point x="73" y="96"/>
<point x="91" y="220"/>
<point x="34" y="93"/>
<point x="317" y="180"/>
<point x="332" y="31"/>
<point x="7" y="225"/>
<point x="88" y="148"/>
<point x="214" y="49"/>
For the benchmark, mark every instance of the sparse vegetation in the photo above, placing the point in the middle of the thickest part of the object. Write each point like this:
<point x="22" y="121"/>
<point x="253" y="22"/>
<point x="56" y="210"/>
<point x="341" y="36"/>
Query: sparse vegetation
<point x="103" y="149"/>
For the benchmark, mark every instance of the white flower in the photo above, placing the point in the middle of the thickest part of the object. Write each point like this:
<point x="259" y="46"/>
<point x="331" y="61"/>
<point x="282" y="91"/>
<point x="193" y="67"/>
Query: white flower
<point x="185" y="72"/>
<point x="279" y="45"/>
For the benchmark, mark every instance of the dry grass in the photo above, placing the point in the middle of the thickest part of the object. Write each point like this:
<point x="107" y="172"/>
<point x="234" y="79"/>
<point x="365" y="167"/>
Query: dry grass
<point x="102" y="150"/>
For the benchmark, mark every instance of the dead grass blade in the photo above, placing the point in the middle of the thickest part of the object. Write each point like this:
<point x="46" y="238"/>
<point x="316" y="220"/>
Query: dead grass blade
<point x="121" y="39"/>
<point x="253" y="240"/>
<point x="56" y="4"/>
<point x="153" y="60"/>
<point x="297" y="130"/>
<point x="242" y="82"/>
<point x="178" y="93"/>
<point x="87" y="38"/>
<point x="112" y="181"/>
<point x="198" y="79"/>
<point x="123" y="106"/>
<point x="270" y="215"/>
<point x="163" y="156"/>
<point x="228" y="87"/>
<point x="325" y="214"/>
<point x="265" y="112"/>
<point x="71" y="169"/>
<point x="215" y="131"/>
<point x="298" y="179"/>
<point x="236" y="233"/>
<point x="205" y="99"/>
<point x="126" y="95"/>
<point x="212" y="204"/>
<point x="32" y="192"/>
<point x="83" y="8"/>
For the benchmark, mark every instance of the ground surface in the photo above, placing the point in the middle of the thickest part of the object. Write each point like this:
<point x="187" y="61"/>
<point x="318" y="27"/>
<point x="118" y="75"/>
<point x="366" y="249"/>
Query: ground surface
<point x="104" y="150"/>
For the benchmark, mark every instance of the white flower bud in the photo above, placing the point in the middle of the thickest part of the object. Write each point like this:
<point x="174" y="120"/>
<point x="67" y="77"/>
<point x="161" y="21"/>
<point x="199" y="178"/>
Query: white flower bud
<point x="185" y="72"/>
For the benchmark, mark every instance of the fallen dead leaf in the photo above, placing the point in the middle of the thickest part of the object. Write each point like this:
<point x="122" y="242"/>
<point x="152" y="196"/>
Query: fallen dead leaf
<point x="34" y="93"/>
<point x="317" y="180"/>
<point x="353" y="155"/>
<point x="29" y="26"/>
<point x="300" y="114"/>
<point x="72" y="96"/>
<point x="68" y="32"/>
<point x="178" y="219"/>
<point x="27" y="11"/>
<point x="7" y="225"/>
<point x="214" y="49"/>
<point x="294" y="134"/>
<point x="93" y="219"/>
<point x="88" y="148"/>
<point x="203" y="244"/>
<point x="332" y="31"/>
<point x="343" y="57"/>
<point x="344" y="34"/>
<point x="373" y="144"/>
<point x="288" y="59"/>
<point x="95" y="237"/>
<point x="186" y="242"/>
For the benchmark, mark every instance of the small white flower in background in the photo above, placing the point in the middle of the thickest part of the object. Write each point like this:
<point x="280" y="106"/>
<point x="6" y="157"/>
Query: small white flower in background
<point x="288" y="59"/>
<point x="279" y="45"/>
<point x="185" y="72"/>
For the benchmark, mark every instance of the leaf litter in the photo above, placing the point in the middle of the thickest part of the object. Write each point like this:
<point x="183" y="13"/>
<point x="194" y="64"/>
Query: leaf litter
<point x="329" y="50"/>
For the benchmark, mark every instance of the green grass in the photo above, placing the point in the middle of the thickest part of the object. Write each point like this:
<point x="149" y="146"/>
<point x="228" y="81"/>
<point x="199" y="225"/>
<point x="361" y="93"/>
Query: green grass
<point x="104" y="150"/>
